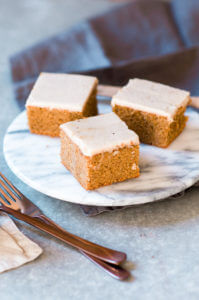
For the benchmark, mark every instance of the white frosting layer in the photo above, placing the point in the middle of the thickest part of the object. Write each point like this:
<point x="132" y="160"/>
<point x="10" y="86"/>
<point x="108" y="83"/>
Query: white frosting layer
<point x="99" y="134"/>
<point x="151" y="97"/>
<point x="62" y="91"/>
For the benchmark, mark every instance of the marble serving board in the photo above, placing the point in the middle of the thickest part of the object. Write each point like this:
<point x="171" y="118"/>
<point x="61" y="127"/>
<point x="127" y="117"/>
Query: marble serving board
<point x="164" y="172"/>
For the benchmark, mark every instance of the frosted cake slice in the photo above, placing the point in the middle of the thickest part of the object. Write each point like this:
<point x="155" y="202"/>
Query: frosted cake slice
<point x="99" y="150"/>
<point x="59" y="98"/>
<point x="154" y="111"/>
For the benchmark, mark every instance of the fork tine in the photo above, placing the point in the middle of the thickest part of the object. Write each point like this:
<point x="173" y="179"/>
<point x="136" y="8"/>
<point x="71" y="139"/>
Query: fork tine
<point x="5" y="196"/>
<point x="3" y="202"/>
<point x="8" y="190"/>
<point x="10" y="202"/>
<point x="18" y="199"/>
<point x="11" y="185"/>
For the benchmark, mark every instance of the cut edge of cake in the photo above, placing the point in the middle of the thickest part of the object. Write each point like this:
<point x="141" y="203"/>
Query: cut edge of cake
<point x="158" y="120"/>
<point x="97" y="168"/>
<point x="68" y="88"/>
<point x="45" y="117"/>
<point x="151" y="97"/>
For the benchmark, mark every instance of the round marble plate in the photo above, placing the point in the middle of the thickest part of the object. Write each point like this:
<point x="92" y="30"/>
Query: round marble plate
<point x="164" y="172"/>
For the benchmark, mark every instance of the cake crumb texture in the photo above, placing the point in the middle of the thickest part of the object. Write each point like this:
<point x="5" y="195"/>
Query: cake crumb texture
<point x="154" y="111"/>
<point x="46" y="121"/>
<point x="152" y="129"/>
<point x="59" y="98"/>
<point x="100" y="169"/>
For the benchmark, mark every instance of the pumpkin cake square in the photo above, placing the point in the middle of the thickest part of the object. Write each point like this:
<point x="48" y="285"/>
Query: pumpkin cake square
<point x="59" y="98"/>
<point x="154" y="111"/>
<point x="99" y="150"/>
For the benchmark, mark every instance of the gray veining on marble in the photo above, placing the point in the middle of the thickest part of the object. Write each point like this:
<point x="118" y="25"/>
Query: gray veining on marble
<point x="164" y="172"/>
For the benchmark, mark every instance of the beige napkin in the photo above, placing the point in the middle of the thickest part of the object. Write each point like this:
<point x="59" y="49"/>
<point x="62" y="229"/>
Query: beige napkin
<point x="15" y="248"/>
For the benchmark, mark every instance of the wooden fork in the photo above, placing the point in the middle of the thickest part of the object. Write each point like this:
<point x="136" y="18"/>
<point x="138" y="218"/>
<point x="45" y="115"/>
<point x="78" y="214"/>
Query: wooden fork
<point x="16" y="204"/>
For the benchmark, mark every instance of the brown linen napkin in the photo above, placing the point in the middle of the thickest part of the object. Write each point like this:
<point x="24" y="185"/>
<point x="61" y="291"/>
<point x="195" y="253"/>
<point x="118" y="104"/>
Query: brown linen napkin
<point x="15" y="248"/>
<point x="145" y="38"/>
<point x="131" y="40"/>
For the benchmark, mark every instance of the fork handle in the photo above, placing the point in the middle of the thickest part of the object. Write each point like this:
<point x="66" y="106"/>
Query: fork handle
<point x="100" y="252"/>
<point x="114" y="270"/>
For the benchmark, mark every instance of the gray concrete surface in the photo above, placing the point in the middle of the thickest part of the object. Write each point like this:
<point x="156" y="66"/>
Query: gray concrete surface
<point x="161" y="239"/>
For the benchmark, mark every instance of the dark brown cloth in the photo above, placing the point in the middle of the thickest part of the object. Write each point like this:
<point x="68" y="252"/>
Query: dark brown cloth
<point x="146" y="39"/>
<point x="142" y="38"/>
